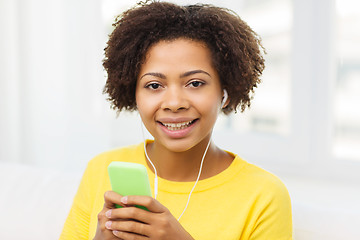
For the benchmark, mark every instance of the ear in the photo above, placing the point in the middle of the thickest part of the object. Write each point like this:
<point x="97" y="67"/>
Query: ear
<point x="224" y="101"/>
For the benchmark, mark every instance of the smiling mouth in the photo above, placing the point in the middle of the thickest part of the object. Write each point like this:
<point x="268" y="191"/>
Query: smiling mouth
<point x="178" y="126"/>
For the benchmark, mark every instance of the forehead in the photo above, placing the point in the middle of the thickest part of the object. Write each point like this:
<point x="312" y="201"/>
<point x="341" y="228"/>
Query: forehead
<point x="179" y="52"/>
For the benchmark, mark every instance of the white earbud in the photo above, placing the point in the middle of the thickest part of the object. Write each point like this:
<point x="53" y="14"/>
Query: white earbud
<point x="225" y="97"/>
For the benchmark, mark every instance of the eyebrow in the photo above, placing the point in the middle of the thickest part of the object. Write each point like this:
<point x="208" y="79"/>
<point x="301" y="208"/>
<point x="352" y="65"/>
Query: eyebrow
<point x="189" y="73"/>
<point x="185" y="74"/>
<point x="155" y="74"/>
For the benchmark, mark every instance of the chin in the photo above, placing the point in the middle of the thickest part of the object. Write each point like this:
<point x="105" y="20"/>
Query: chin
<point x="178" y="146"/>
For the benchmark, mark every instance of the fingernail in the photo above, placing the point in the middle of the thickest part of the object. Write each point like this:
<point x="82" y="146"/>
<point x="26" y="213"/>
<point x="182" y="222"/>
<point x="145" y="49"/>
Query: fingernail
<point x="108" y="214"/>
<point x="124" y="200"/>
<point x="108" y="224"/>
<point x="115" y="232"/>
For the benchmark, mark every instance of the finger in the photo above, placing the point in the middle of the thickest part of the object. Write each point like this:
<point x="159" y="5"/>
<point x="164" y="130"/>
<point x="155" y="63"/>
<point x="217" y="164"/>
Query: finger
<point x="130" y="213"/>
<point x="127" y="235"/>
<point x="111" y="198"/>
<point x="130" y="230"/>
<point x="129" y="226"/>
<point x="150" y="203"/>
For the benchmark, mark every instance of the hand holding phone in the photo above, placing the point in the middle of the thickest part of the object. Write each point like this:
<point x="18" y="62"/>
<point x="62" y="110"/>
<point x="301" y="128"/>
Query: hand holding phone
<point x="131" y="179"/>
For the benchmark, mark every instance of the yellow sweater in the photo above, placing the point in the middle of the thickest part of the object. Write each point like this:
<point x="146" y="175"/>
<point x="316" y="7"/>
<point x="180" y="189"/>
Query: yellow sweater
<point x="242" y="202"/>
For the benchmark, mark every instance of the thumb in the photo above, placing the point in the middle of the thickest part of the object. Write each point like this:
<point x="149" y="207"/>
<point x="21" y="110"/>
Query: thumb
<point x="112" y="198"/>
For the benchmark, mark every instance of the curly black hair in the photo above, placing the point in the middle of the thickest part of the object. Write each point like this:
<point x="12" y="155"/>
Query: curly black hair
<point x="237" y="53"/>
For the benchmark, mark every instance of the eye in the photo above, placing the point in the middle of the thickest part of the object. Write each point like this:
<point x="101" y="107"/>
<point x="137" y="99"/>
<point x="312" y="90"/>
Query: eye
<point x="153" y="86"/>
<point x="196" y="83"/>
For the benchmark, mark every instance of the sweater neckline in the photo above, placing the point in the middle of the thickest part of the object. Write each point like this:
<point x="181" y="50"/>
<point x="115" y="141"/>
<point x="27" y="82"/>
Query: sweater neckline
<point x="165" y="185"/>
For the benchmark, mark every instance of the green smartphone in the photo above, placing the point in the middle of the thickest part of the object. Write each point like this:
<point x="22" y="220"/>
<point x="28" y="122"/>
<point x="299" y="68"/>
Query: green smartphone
<point x="129" y="179"/>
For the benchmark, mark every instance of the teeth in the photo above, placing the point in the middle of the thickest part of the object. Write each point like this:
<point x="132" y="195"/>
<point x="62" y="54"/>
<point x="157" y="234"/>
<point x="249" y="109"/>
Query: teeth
<point x="177" y="126"/>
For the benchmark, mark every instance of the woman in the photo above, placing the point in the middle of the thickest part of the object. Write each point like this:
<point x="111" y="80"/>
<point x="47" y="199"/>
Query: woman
<point x="180" y="67"/>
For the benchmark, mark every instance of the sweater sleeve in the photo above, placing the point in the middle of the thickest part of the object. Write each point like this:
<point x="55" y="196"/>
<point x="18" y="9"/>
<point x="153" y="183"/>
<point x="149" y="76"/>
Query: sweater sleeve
<point x="274" y="219"/>
<point x="77" y="224"/>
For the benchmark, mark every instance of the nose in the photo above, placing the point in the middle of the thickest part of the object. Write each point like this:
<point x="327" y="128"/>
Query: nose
<point x="175" y="100"/>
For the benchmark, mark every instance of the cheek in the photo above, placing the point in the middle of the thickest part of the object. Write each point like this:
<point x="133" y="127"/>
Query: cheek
<point x="145" y="106"/>
<point x="210" y="102"/>
<point x="209" y="107"/>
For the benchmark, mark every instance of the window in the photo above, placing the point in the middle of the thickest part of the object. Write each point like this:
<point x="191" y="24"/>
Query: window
<point x="347" y="95"/>
<point x="267" y="125"/>
<point x="270" y="111"/>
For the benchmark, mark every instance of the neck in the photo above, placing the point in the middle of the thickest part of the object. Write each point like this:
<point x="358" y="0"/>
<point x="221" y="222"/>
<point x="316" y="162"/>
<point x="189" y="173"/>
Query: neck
<point x="180" y="166"/>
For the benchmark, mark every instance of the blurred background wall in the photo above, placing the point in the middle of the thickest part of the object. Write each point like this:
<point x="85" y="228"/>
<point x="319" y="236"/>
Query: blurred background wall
<point x="304" y="123"/>
<point x="305" y="113"/>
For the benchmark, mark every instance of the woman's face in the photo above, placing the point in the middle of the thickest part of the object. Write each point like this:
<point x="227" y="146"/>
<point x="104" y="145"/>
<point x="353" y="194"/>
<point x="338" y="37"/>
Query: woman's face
<point x="178" y="94"/>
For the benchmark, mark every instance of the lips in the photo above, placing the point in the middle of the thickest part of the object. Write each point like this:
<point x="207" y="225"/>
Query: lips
<point x="177" y="128"/>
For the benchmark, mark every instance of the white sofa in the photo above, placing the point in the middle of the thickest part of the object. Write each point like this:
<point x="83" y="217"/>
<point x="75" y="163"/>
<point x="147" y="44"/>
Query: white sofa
<point x="35" y="201"/>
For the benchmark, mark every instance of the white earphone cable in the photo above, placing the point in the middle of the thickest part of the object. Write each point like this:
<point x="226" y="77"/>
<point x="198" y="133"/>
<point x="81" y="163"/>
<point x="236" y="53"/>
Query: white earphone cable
<point x="197" y="180"/>
<point x="156" y="176"/>
<point x="152" y="164"/>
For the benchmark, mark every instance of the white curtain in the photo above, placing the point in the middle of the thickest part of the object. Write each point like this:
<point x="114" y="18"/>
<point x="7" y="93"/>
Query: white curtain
<point x="52" y="110"/>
